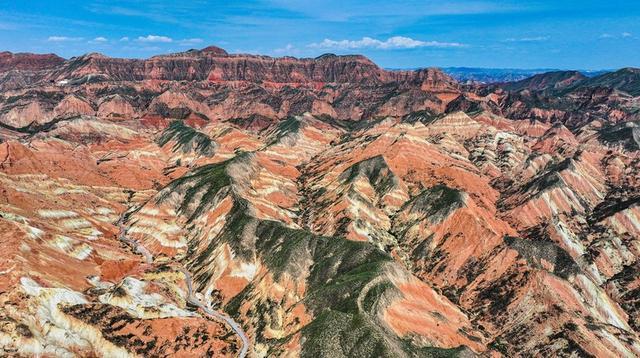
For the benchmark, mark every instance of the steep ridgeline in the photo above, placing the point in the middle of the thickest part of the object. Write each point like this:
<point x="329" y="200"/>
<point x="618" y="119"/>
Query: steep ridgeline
<point x="211" y="84"/>
<point x="568" y="97"/>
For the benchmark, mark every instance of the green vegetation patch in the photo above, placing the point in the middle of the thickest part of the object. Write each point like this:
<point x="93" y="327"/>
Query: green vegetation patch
<point x="187" y="139"/>
<point x="207" y="179"/>
<point x="621" y="134"/>
<point x="289" y="125"/>
<point x="424" y="116"/>
<point x="435" y="203"/>
<point x="534" y="251"/>
<point x="336" y="334"/>
<point x="376" y="170"/>
<point x="435" y="352"/>
<point x="339" y="275"/>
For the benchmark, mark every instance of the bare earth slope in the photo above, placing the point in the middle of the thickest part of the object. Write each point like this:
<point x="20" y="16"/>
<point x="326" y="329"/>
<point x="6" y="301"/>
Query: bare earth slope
<point x="203" y="203"/>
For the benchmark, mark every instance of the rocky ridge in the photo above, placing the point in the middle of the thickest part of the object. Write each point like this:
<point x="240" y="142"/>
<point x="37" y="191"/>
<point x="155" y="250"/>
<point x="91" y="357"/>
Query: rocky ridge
<point x="329" y="207"/>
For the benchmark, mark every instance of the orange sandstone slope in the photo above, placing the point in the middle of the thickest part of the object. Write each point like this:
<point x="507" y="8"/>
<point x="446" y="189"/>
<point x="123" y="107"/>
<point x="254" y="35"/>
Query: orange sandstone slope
<point x="203" y="203"/>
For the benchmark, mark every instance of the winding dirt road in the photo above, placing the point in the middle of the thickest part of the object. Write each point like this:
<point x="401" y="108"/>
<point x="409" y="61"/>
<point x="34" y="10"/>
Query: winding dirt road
<point x="220" y="316"/>
<point x="139" y="248"/>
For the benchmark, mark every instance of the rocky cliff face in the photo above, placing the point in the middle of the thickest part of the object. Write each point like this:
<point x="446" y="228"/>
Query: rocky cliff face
<point x="216" y="65"/>
<point x="212" y="84"/>
<point x="28" y="61"/>
<point x="203" y="203"/>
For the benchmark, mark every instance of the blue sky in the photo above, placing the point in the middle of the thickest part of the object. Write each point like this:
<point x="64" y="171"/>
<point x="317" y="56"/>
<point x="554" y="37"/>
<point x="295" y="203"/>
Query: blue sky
<point x="564" y="34"/>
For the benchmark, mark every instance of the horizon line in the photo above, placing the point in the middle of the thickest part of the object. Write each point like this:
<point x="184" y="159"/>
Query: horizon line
<point x="449" y="67"/>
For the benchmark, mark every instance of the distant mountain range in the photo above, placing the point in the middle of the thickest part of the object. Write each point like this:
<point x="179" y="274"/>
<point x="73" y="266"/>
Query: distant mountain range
<point x="625" y="79"/>
<point x="493" y="75"/>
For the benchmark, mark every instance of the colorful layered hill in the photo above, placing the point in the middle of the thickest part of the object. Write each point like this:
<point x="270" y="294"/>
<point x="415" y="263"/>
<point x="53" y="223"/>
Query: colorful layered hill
<point x="562" y="96"/>
<point x="213" y="204"/>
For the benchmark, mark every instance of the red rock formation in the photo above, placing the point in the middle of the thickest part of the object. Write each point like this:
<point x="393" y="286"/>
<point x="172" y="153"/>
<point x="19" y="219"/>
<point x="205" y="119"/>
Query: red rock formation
<point x="28" y="61"/>
<point x="326" y="205"/>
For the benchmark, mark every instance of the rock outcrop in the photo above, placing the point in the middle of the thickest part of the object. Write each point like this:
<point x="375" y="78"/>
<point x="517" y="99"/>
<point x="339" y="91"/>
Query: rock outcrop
<point x="182" y="204"/>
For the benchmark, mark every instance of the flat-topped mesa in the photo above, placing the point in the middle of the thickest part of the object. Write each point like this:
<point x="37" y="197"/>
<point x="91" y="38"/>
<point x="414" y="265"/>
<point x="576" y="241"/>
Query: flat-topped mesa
<point x="430" y="79"/>
<point x="216" y="65"/>
<point x="28" y="61"/>
<point x="291" y="70"/>
<point x="347" y="87"/>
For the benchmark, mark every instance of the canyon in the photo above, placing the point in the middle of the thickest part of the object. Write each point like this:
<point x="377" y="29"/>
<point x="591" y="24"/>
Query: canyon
<point x="212" y="204"/>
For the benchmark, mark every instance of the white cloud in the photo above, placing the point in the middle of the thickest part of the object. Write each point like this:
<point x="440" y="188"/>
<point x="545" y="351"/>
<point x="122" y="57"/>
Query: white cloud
<point x="124" y="39"/>
<point x="395" y="42"/>
<point x="528" y="39"/>
<point x="193" y="41"/>
<point x="63" y="38"/>
<point x="98" y="40"/>
<point x="622" y="35"/>
<point x="143" y="48"/>
<point x="155" y="38"/>
<point x="285" y="50"/>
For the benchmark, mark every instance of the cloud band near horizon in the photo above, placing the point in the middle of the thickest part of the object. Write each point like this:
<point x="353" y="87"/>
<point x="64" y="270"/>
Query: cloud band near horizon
<point x="395" y="42"/>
